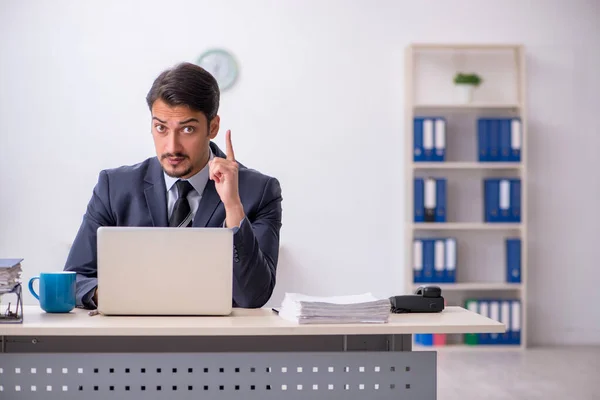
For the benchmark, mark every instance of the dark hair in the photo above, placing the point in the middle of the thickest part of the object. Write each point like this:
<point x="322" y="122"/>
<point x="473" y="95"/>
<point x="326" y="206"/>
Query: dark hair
<point x="187" y="84"/>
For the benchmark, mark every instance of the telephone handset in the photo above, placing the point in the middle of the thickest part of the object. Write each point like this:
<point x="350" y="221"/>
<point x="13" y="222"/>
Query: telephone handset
<point x="427" y="299"/>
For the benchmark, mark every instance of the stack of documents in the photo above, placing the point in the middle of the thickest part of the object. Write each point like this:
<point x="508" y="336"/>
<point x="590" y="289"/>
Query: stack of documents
<point x="10" y="273"/>
<point x="363" y="308"/>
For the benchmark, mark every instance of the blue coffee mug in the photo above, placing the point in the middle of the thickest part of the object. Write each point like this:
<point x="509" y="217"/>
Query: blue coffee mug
<point x="57" y="291"/>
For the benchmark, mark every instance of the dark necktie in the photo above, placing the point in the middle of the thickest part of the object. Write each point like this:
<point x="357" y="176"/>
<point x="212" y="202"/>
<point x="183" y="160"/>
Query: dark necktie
<point x="182" y="211"/>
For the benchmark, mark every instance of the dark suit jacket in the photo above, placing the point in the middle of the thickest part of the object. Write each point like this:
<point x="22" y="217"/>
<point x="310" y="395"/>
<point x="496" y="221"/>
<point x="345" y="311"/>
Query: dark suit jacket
<point x="137" y="196"/>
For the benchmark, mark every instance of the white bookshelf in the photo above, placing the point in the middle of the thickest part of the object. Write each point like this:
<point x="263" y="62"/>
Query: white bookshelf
<point x="457" y="347"/>
<point x="476" y="286"/>
<point x="467" y="165"/>
<point x="464" y="226"/>
<point x="429" y="73"/>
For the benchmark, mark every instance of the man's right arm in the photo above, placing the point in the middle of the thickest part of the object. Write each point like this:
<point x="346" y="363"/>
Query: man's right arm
<point x="82" y="258"/>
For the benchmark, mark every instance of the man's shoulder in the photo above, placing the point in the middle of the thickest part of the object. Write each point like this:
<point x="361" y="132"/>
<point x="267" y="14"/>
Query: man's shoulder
<point x="258" y="185"/>
<point x="253" y="176"/>
<point x="130" y="171"/>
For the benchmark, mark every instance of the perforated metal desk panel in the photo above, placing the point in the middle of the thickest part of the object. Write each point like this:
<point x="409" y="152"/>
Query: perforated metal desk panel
<point x="252" y="354"/>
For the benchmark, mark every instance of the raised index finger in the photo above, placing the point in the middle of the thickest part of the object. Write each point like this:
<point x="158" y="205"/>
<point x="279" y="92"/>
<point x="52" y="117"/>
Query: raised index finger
<point x="229" y="149"/>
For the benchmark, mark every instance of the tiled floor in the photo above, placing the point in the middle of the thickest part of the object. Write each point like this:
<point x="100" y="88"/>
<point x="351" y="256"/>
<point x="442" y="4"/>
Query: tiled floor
<point x="538" y="373"/>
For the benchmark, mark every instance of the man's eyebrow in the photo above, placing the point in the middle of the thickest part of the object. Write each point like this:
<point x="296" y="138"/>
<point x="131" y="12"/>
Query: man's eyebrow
<point x="187" y="121"/>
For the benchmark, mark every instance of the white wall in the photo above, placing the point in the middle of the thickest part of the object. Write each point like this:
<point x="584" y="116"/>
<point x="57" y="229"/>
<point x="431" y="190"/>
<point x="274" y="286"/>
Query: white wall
<point x="319" y="105"/>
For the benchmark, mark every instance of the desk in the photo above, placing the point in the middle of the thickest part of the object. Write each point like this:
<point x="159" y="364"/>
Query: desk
<point x="252" y="354"/>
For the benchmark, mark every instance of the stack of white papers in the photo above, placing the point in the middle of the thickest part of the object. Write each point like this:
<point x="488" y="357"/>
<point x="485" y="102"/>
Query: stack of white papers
<point x="362" y="308"/>
<point x="10" y="273"/>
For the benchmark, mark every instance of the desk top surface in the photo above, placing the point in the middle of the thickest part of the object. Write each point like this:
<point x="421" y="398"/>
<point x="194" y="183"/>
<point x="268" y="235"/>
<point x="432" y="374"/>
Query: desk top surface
<point x="242" y="322"/>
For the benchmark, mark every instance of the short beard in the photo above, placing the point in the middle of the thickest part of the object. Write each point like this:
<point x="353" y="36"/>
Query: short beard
<point x="180" y="174"/>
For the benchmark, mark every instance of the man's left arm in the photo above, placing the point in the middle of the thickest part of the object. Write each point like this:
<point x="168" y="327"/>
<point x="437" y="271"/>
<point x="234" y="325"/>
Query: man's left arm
<point x="256" y="249"/>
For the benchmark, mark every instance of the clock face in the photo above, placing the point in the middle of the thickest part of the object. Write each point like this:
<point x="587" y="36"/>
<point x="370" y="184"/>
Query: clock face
<point x="221" y="65"/>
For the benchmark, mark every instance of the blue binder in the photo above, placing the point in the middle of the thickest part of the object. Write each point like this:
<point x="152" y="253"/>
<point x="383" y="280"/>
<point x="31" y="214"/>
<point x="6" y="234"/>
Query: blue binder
<point x="494" y="314"/>
<point x="419" y="200"/>
<point x="440" y="203"/>
<point x="427" y="339"/>
<point x="505" y="200"/>
<point x="428" y="132"/>
<point x="505" y="140"/>
<point x="439" y="139"/>
<point x="451" y="258"/>
<point x="494" y="139"/>
<point x="482" y="140"/>
<point x="418" y="154"/>
<point x="516" y="134"/>
<point x="484" y="310"/>
<point x="513" y="260"/>
<point x="515" y="200"/>
<point x="505" y="319"/>
<point x="492" y="200"/>
<point x="439" y="257"/>
<point x="417" y="261"/>
<point x="424" y="339"/>
<point x="428" y="259"/>
<point x="515" y="322"/>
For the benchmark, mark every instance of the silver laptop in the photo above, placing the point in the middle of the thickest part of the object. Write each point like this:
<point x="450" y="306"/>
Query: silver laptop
<point x="165" y="271"/>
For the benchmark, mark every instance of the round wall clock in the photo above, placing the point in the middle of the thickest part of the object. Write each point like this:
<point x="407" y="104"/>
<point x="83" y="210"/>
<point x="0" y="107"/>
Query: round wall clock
<point x="222" y="65"/>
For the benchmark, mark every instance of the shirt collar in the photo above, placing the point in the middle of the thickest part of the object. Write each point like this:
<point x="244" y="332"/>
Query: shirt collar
<point x="198" y="181"/>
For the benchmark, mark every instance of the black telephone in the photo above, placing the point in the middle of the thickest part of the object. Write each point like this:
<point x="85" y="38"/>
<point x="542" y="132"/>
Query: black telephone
<point x="427" y="299"/>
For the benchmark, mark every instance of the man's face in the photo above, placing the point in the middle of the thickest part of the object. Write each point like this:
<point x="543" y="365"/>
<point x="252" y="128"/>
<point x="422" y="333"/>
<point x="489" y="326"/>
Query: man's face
<point x="181" y="138"/>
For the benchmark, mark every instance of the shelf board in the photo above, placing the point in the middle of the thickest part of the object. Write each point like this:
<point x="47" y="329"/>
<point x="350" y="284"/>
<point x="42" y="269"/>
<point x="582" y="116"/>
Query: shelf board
<point x="473" y="286"/>
<point x="468" y="106"/>
<point x="465" y="226"/>
<point x="465" y="46"/>
<point x="466" y="347"/>
<point x="467" y="165"/>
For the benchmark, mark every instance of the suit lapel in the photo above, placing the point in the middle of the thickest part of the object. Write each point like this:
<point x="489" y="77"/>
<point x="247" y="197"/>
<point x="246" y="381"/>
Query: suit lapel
<point x="208" y="204"/>
<point x="156" y="194"/>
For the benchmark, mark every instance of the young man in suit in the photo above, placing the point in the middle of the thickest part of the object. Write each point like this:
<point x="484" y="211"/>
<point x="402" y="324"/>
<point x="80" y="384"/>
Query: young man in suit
<point x="190" y="182"/>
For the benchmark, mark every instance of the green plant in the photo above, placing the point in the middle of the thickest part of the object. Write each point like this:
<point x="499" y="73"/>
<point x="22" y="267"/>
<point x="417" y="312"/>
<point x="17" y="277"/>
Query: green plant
<point x="467" y="79"/>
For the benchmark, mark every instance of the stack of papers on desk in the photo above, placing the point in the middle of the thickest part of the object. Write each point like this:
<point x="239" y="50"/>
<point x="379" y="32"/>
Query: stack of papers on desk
<point x="10" y="273"/>
<point x="363" y="308"/>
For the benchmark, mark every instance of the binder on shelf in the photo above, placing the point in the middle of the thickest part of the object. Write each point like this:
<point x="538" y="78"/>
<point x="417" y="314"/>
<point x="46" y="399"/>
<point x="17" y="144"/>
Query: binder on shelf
<point x="513" y="260"/>
<point x="491" y="196"/>
<point x="484" y="338"/>
<point x="439" y="140"/>
<point x="419" y="205"/>
<point x="428" y="260"/>
<point x="471" y="338"/>
<point x="439" y="260"/>
<point x="504" y="202"/>
<point x="450" y="270"/>
<point x="418" y="154"/>
<point x="430" y="200"/>
<point x="482" y="140"/>
<point x="439" y="339"/>
<point x="515" y="140"/>
<point x="428" y="140"/>
<point x="440" y="210"/>
<point x="418" y="276"/>
<point x="499" y="139"/>
<point x="494" y="139"/>
<point x="424" y="339"/>
<point x="505" y="140"/>
<point x="505" y="320"/>
<point x="494" y="310"/>
<point x="515" y="322"/>
<point x="515" y="200"/>
<point x="502" y="198"/>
